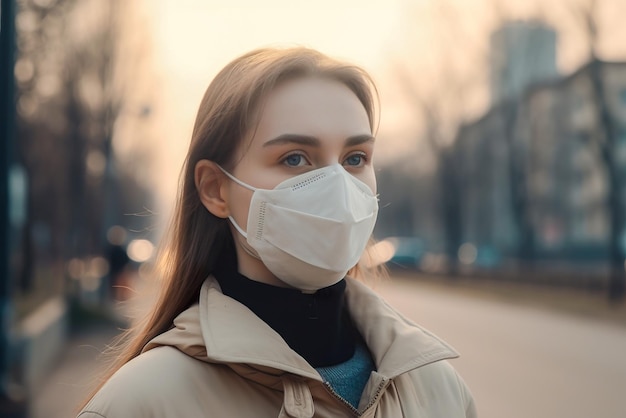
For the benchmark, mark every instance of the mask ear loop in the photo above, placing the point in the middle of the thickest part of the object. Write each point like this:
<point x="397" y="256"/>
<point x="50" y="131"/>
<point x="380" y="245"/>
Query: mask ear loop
<point x="236" y="180"/>
<point x="239" y="229"/>
<point x="242" y="184"/>
<point x="244" y="244"/>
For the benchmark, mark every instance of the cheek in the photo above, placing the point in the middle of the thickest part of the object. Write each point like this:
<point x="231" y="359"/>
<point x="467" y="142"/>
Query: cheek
<point x="373" y="186"/>
<point x="369" y="178"/>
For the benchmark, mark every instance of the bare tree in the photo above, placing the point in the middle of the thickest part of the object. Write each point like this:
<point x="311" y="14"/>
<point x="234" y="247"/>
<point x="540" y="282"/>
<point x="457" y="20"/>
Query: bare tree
<point x="604" y="138"/>
<point x="41" y="130"/>
<point x="442" y="112"/>
<point x="69" y="99"/>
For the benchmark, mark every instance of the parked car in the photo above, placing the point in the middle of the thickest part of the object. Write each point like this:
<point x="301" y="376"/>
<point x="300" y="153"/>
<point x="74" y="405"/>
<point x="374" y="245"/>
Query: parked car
<point x="408" y="252"/>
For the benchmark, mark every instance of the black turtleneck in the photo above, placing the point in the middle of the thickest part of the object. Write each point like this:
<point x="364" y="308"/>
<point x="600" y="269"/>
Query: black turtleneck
<point x="315" y="325"/>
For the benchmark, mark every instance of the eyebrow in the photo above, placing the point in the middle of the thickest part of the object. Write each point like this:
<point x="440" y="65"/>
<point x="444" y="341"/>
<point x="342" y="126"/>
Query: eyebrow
<point x="312" y="141"/>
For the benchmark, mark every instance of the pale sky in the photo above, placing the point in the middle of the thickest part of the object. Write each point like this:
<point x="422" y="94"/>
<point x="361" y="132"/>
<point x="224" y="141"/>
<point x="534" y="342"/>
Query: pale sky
<point x="193" y="39"/>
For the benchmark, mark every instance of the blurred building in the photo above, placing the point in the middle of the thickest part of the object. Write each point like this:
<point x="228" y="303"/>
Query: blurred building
<point x="533" y="162"/>
<point x="484" y="172"/>
<point x="522" y="54"/>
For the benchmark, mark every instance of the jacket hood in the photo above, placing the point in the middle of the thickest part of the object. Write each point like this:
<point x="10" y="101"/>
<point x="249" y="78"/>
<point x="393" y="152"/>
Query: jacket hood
<point x="219" y="329"/>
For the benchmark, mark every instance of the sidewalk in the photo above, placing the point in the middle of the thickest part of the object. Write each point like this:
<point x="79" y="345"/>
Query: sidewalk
<point x="83" y="361"/>
<point x="578" y="302"/>
<point x="69" y="383"/>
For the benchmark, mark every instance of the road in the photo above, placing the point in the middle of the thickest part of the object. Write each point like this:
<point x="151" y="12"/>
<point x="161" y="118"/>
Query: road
<point x="521" y="361"/>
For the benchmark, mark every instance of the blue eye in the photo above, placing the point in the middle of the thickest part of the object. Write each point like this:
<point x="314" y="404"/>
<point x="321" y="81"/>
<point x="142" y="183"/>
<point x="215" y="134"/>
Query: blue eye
<point x="355" y="160"/>
<point x="294" y="160"/>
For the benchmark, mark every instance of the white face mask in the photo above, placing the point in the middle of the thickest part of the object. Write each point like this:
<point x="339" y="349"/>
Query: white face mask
<point x="312" y="228"/>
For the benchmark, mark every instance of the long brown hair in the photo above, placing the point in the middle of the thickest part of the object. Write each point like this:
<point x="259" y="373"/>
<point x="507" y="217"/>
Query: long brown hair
<point x="197" y="240"/>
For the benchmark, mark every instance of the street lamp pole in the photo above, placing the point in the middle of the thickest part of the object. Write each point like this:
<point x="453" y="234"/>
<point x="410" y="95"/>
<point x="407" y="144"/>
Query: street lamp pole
<point x="9" y="406"/>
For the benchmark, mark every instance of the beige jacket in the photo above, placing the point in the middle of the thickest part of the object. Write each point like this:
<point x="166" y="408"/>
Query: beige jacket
<point x="221" y="360"/>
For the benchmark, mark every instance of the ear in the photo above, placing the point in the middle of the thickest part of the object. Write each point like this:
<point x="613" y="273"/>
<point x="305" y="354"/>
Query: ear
<point x="211" y="186"/>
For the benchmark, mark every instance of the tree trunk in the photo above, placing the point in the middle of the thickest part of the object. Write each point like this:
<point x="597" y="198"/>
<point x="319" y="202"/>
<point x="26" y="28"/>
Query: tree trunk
<point x="451" y="209"/>
<point x="606" y="144"/>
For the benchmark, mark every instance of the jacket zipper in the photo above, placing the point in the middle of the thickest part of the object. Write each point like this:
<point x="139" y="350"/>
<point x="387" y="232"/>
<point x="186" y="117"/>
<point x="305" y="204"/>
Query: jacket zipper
<point x="340" y="399"/>
<point x="381" y="386"/>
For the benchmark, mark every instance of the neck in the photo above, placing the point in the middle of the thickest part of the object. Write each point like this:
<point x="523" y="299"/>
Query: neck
<point x="316" y="326"/>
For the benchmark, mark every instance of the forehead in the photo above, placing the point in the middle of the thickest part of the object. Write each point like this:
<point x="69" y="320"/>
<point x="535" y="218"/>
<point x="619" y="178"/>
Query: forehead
<point x="312" y="106"/>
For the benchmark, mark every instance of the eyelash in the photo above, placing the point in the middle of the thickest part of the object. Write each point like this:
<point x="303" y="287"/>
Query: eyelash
<point x="293" y="154"/>
<point x="364" y="158"/>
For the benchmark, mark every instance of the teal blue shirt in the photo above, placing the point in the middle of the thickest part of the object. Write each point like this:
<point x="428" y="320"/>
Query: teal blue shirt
<point x="349" y="378"/>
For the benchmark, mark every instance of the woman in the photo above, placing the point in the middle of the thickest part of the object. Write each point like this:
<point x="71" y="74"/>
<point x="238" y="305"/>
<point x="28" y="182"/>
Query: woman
<point x="258" y="318"/>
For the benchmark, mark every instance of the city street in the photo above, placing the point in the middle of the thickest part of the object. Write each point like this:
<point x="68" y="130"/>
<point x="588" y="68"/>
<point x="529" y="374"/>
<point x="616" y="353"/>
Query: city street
<point x="519" y="361"/>
<point x="522" y="361"/>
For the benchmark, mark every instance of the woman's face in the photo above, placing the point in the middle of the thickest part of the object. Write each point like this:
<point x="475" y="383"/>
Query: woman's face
<point x="305" y="124"/>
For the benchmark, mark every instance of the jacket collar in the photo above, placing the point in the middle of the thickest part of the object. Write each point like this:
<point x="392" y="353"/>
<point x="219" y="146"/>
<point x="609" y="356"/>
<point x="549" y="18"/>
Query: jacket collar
<point x="221" y="330"/>
<point x="396" y="343"/>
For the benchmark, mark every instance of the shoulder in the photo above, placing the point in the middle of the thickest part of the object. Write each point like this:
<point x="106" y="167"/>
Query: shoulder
<point x="440" y="373"/>
<point x="154" y="384"/>
<point x="441" y="383"/>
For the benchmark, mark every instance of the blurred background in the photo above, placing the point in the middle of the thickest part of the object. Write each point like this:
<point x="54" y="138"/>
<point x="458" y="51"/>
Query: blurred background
<point x="501" y="163"/>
